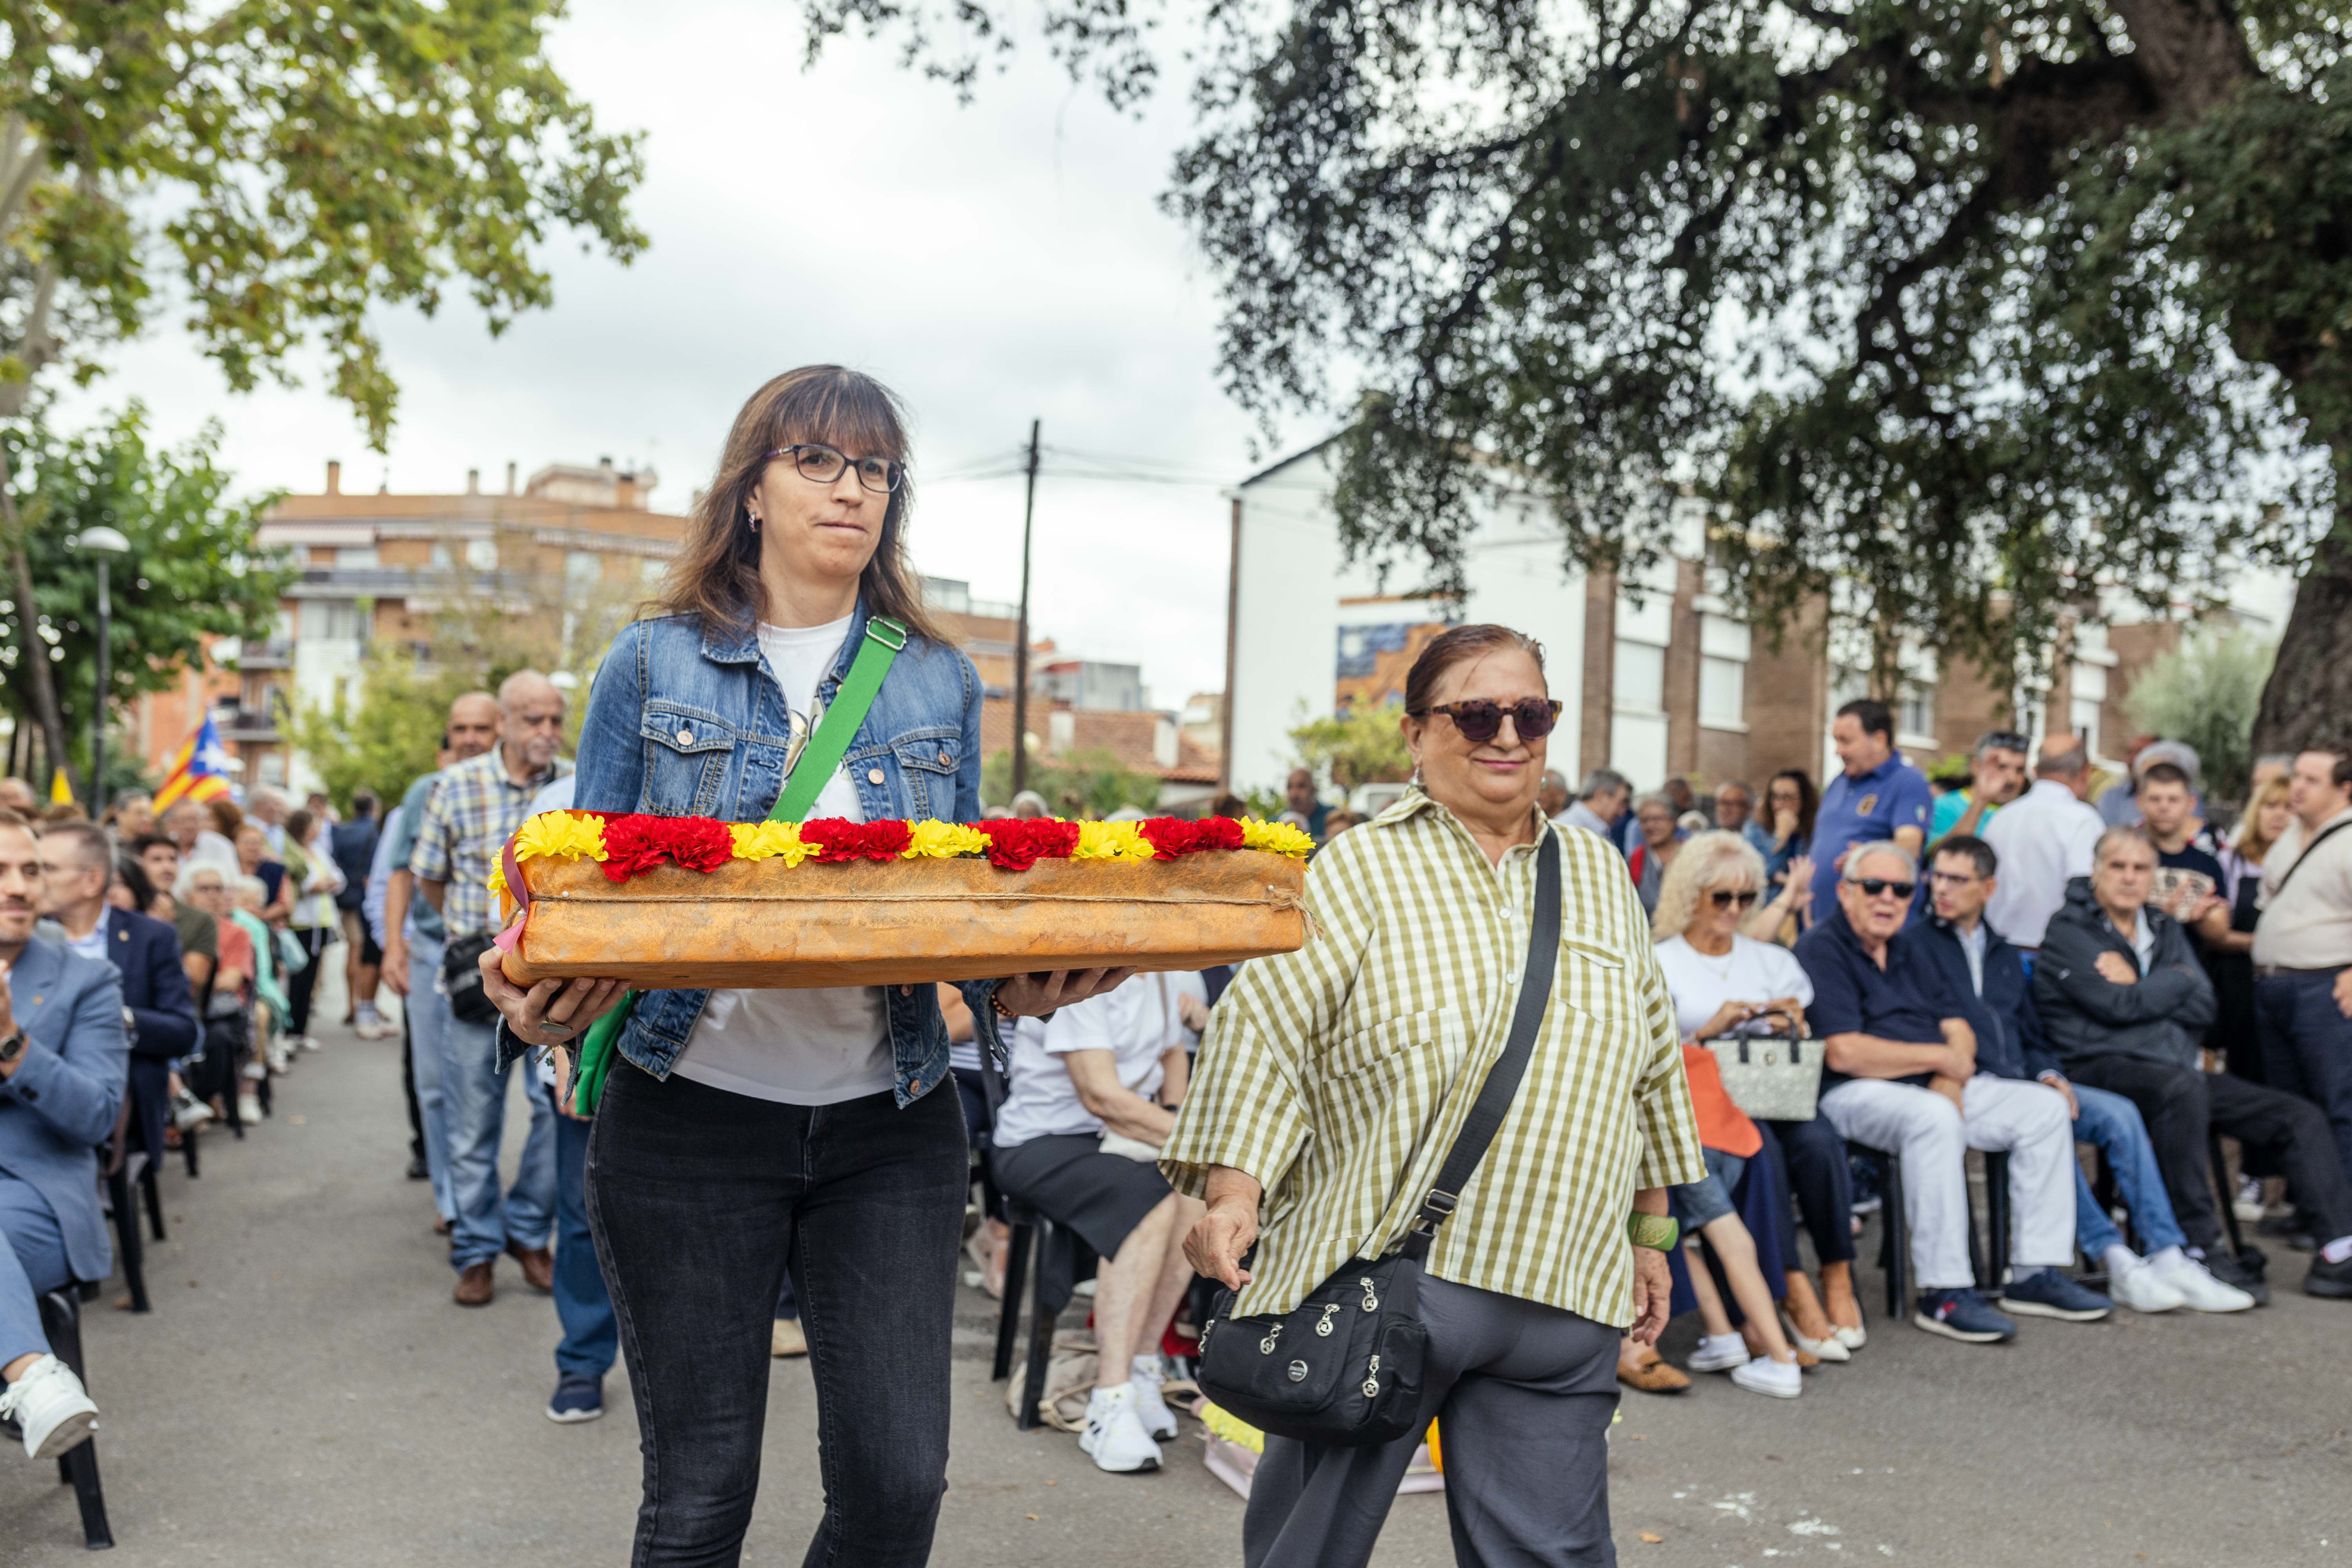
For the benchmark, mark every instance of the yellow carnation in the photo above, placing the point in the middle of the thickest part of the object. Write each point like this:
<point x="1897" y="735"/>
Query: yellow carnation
<point x="1112" y="841"/>
<point x="942" y="841"/>
<point x="498" y="882"/>
<point x="1277" y="837"/>
<point x="770" y="841"/>
<point x="560" y="835"/>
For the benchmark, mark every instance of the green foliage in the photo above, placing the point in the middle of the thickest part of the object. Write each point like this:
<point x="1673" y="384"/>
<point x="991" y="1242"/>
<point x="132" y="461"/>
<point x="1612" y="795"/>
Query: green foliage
<point x="1360" y="746"/>
<point x="387" y="737"/>
<point x="192" y="568"/>
<point x="306" y="162"/>
<point x="1082" y="784"/>
<point x="2205" y="694"/>
<point x="1963" y="311"/>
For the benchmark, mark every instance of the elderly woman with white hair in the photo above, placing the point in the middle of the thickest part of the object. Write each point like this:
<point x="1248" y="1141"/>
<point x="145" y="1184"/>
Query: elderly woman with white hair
<point x="1707" y="928"/>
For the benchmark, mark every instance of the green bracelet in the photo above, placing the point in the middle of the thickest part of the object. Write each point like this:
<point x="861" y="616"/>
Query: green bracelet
<point x="1658" y="1232"/>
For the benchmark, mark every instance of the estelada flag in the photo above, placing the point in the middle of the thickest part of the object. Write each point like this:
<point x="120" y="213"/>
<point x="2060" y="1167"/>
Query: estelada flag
<point x="199" y="769"/>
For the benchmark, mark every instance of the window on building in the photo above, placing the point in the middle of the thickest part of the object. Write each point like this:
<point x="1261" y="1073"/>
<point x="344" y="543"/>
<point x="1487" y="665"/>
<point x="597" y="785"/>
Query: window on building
<point x="1916" y="714"/>
<point x="330" y="620"/>
<point x="1637" y="726"/>
<point x="1640" y="682"/>
<point x="652" y="568"/>
<point x="440" y="554"/>
<point x="1722" y="693"/>
<point x="482" y="554"/>
<point x="355" y="558"/>
<point x="584" y="568"/>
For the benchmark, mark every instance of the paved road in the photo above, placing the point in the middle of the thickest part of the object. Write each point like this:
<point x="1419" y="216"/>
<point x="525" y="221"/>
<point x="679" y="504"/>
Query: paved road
<point x="305" y="1394"/>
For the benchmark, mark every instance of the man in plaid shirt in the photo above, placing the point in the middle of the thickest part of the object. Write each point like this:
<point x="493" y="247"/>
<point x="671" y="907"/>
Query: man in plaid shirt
<point x="477" y="805"/>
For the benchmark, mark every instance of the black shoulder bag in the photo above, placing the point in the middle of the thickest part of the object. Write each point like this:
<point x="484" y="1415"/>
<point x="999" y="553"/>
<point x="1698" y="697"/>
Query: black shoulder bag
<point x="1343" y="1367"/>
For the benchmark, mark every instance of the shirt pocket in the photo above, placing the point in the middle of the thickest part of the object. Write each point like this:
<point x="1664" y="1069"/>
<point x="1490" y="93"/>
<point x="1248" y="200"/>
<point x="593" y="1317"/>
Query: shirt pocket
<point x="686" y="750"/>
<point x="928" y="761"/>
<point x="1595" y="981"/>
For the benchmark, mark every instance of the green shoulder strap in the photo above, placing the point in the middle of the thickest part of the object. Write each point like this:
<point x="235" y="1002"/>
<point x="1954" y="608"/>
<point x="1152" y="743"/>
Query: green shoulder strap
<point x="818" y="761"/>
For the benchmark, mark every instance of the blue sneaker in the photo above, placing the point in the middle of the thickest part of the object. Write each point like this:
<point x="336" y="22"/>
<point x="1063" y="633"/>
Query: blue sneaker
<point x="1962" y="1315"/>
<point x="578" y="1397"/>
<point x="2047" y="1293"/>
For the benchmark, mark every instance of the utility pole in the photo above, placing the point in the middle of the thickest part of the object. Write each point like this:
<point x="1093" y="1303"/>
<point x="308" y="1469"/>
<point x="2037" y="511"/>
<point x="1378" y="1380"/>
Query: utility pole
<point x="1233" y="645"/>
<point x="1021" y="643"/>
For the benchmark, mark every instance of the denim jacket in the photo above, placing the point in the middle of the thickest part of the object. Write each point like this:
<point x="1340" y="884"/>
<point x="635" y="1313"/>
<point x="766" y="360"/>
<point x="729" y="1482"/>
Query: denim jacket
<point x="688" y="721"/>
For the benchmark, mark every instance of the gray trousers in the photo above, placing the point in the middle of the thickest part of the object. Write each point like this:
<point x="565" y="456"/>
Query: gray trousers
<point x="1523" y="1394"/>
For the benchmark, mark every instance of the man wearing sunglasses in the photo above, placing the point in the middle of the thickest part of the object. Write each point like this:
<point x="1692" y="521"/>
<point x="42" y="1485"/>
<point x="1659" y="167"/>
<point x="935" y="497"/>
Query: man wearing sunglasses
<point x="1899" y="1074"/>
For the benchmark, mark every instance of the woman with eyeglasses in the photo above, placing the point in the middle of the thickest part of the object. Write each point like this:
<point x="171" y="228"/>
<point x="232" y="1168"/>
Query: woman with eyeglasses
<point x="1723" y="978"/>
<point x="1332" y="1082"/>
<point x="743" y="1135"/>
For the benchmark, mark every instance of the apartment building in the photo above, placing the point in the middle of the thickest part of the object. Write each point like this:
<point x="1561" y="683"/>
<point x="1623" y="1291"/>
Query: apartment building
<point x="1656" y="673"/>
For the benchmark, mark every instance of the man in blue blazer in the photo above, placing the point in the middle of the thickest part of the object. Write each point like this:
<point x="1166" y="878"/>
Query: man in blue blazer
<point x="77" y="864"/>
<point x="63" y="1057"/>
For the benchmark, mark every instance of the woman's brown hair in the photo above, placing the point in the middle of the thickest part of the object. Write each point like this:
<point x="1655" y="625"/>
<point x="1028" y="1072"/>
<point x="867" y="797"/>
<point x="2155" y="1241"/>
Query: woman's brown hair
<point x="716" y="573"/>
<point x="1458" y="644"/>
<point x="2251" y="842"/>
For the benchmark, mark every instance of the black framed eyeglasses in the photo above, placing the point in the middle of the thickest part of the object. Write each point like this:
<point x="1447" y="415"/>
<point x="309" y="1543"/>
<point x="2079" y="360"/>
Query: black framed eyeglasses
<point x="1723" y="898"/>
<point x="1872" y="886"/>
<point x="821" y="464"/>
<point x="1481" y="720"/>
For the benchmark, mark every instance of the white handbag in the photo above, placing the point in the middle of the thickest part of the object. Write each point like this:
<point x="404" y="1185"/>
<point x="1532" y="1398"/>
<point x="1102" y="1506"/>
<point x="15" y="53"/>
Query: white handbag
<point x="1772" y="1072"/>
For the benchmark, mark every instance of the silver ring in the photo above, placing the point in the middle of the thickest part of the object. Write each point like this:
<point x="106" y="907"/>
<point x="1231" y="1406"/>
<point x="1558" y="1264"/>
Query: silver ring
<point x="561" y="1031"/>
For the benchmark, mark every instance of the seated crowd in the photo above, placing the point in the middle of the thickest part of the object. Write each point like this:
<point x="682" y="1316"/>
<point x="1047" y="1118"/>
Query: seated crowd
<point x="138" y="970"/>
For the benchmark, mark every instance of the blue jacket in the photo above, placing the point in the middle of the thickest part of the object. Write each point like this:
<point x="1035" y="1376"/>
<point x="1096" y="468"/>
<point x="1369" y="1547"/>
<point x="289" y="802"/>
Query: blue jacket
<point x="146" y="953"/>
<point x="2010" y="1041"/>
<point x="688" y="722"/>
<point x="60" y="1103"/>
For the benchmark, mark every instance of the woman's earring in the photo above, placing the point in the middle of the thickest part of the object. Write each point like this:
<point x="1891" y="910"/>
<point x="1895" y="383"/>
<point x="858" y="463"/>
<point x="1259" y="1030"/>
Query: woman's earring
<point x="755" y="520"/>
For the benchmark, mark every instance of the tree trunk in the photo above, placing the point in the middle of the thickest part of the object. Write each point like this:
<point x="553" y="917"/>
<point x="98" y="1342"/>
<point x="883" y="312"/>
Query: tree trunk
<point x="31" y="651"/>
<point x="2308" y="702"/>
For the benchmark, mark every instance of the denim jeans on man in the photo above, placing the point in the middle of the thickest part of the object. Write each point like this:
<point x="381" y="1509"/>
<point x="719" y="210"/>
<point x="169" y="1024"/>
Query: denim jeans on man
<point x="2307" y="1046"/>
<point x="692" y="1191"/>
<point x="582" y="1305"/>
<point x="474" y="1082"/>
<point x="2113" y="1124"/>
<point x="428" y="1026"/>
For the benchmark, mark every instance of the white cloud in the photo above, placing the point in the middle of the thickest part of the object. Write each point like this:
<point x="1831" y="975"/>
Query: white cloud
<point x="994" y="264"/>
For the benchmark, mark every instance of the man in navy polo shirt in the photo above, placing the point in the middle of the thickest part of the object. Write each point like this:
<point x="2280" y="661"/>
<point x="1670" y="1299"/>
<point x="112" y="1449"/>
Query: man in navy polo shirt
<point x="1900" y="1074"/>
<point x="1878" y="796"/>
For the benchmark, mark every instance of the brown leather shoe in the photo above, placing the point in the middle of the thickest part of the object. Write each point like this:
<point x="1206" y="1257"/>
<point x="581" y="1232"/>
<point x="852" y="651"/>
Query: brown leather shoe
<point x="474" y="1286"/>
<point x="1652" y="1373"/>
<point x="537" y="1265"/>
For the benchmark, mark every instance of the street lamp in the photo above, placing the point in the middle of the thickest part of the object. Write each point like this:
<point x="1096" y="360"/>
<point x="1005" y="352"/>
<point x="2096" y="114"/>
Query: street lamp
<point x="101" y="543"/>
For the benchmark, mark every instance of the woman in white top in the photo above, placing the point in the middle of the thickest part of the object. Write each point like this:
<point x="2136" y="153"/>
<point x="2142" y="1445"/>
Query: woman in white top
<point x="1720" y="978"/>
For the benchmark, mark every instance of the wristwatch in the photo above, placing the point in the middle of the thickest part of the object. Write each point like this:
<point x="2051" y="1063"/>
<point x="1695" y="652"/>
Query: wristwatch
<point x="1658" y="1232"/>
<point x="13" y="1046"/>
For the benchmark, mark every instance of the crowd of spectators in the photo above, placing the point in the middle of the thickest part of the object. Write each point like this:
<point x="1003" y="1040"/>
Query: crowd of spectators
<point x="2093" y="992"/>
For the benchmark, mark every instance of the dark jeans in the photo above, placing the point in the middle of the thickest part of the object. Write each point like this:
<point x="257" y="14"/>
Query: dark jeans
<point x="303" y="983"/>
<point x="1810" y="1158"/>
<point x="582" y="1305"/>
<point x="2182" y="1107"/>
<point x="691" y="1192"/>
<point x="2307" y="1048"/>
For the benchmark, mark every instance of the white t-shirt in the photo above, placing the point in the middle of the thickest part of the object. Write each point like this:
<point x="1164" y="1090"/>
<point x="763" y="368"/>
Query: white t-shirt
<point x="802" y="1047"/>
<point x="1138" y="1023"/>
<point x="1752" y="972"/>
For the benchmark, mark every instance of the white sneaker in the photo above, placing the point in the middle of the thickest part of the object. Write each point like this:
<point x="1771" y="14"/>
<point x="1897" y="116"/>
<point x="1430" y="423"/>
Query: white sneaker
<point x="1114" y="1436"/>
<point x="1781" y="1380"/>
<point x="1718" y="1353"/>
<point x="2143" y="1289"/>
<point x="2248" y="1203"/>
<point x="307" y="1043"/>
<point x="249" y="1109"/>
<point x="188" y="1111"/>
<point x="1831" y="1349"/>
<point x="2196" y="1288"/>
<point x="1150" y="1371"/>
<point x="50" y="1407"/>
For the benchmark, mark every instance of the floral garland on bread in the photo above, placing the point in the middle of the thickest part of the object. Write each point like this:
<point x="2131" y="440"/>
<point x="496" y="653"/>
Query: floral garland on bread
<point x="630" y="845"/>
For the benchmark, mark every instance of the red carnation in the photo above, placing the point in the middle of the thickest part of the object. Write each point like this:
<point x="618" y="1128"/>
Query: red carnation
<point x="1217" y="833"/>
<point x="631" y="847"/>
<point x="1171" y="837"/>
<point x="1015" y="843"/>
<point x="697" y="843"/>
<point x="840" y="839"/>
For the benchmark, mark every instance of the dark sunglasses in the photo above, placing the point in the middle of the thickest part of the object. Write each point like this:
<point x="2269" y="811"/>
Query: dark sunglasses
<point x="1724" y="898"/>
<point x="1872" y="886"/>
<point x="1481" y="720"/>
<point x="822" y="464"/>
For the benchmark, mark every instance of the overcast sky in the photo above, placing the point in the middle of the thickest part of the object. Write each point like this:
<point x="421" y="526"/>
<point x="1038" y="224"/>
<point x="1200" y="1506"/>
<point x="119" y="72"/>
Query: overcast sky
<point x="994" y="264"/>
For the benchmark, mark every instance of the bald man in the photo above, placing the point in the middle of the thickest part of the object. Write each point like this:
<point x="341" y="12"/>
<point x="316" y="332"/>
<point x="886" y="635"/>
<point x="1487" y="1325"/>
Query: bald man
<point x="413" y="943"/>
<point x="475" y="807"/>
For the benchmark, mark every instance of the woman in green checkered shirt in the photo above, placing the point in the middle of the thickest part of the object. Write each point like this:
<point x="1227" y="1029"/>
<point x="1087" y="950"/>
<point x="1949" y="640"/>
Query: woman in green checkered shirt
<point x="1334" y="1079"/>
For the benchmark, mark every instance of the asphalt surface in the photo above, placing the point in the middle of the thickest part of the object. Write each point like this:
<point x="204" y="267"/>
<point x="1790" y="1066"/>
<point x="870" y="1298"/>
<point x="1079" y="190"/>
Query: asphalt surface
<point x="305" y="1393"/>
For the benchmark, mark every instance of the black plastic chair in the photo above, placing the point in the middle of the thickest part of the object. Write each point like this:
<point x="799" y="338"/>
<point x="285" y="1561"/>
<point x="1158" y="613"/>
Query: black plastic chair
<point x="114" y="1160"/>
<point x="1043" y="1261"/>
<point x="61" y="1320"/>
<point x="1989" y="1265"/>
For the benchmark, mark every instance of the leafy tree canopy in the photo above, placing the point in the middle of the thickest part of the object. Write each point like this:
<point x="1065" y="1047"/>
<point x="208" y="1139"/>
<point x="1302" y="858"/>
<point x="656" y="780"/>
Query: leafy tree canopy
<point x="1363" y="745"/>
<point x="1977" y="309"/>
<point x="2204" y="693"/>
<point x="193" y="569"/>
